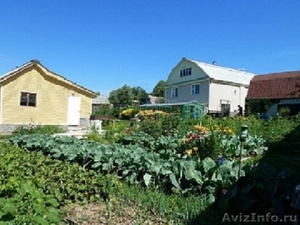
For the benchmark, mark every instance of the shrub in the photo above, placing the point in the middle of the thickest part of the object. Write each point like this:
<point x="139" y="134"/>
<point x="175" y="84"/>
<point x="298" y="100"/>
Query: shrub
<point x="39" y="129"/>
<point x="129" y="113"/>
<point x="284" y="111"/>
<point x="103" y="110"/>
<point x="151" y="127"/>
<point x="116" y="112"/>
<point x="152" y="114"/>
<point x="170" y="123"/>
<point x="199" y="144"/>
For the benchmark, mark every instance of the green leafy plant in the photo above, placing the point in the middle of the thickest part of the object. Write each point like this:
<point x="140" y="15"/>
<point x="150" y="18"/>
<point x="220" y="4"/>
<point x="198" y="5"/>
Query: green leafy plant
<point x="26" y="205"/>
<point x="231" y="146"/>
<point x="133" y="163"/>
<point x="151" y="127"/>
<point x="284" y="111"/>
<point x="38" y="129"/>
<point x="104" y="109"/>
<point x="263" y="190"/>
<point x="66" y="182"/>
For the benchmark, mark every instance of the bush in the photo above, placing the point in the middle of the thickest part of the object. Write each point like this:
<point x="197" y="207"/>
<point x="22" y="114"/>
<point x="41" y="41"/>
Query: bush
<point x="151" y="127"/>
<point x="126" y="114"/>
<point x="103" y="110"/>
<point x="170" y="123"/>
<point x="39" y="129"/>
<point x="284" y="111"/>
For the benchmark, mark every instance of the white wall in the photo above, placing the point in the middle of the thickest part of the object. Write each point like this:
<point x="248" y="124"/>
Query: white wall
<point x="227" y="94"/>
<point x="175" y="79"/>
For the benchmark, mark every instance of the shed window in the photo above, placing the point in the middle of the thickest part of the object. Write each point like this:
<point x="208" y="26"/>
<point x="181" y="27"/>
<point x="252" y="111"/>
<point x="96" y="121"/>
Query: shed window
<point x="28" y="99"/>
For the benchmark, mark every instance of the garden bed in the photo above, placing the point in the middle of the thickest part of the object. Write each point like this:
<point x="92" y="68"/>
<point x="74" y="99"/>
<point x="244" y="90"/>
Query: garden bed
<point x="162" y="172"/>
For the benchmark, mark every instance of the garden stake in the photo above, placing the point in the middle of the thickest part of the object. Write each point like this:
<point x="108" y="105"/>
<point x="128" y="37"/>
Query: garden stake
<point x="240" y="159"/>
<point x="243" y="137"/>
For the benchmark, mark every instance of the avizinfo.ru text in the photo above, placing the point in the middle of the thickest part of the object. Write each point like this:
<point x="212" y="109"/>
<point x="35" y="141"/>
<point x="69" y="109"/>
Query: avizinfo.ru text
<point x="256" y="218"/>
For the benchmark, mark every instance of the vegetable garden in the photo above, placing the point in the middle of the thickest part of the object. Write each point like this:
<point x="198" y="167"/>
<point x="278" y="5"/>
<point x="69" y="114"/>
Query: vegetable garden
<point x="170" y="171"/>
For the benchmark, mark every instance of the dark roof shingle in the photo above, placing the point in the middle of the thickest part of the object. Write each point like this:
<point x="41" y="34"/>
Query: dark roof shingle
<point x="275" y="86"/>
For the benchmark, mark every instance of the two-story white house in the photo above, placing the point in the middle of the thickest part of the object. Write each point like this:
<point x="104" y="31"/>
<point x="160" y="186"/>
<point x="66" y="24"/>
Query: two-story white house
<point x="221" y="89"/>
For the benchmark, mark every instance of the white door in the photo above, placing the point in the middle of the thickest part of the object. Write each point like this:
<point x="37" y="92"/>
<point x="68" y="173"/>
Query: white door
<point x="73" y="116"/>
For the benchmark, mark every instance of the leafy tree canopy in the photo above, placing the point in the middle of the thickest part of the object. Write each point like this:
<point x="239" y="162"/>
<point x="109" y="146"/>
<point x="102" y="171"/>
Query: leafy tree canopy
<point x="126" y="95"/>
<point x="122" y="95"/>
<point x="159" y="89"/>
<point x="140" y="95"/>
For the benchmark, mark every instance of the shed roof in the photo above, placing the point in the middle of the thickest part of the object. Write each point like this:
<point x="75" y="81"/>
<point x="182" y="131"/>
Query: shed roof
<point x="225" y="74"/>
<point x="100" y="99"/>
<point x="31" y="63"/>
<point x="275" y="86"/>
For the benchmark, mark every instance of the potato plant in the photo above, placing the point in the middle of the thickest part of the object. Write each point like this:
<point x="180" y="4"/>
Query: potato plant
<point x="32" y="184"/>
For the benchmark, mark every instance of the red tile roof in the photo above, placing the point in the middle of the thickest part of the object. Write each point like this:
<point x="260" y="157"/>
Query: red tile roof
<point x="275" y="86"/>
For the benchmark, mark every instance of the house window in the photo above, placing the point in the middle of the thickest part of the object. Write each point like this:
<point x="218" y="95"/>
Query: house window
<point x="28" y="99"/>
<point x="174" y="92"/>
<point x="195" y="89"/>
<point x="185" y="72"/>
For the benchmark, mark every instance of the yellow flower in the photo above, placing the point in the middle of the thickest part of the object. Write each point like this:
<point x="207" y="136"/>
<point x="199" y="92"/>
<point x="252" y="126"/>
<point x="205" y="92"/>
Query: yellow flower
<point x="189" y="151"/>
<point x="195" y="149"/>
<point x="185" y="140"/>
<point x="201" y="129"/>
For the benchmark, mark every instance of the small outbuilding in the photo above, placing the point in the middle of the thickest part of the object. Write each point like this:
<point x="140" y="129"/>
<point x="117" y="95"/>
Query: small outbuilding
<point x="32" y="94"/>
<point x="99" y="101"/>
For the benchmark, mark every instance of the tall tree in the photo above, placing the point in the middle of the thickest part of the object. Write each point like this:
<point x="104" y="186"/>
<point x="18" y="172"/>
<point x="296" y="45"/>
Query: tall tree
<point x="159" y="89"/>
<point x="139" y="94"/>
<point x="122" y="95"/>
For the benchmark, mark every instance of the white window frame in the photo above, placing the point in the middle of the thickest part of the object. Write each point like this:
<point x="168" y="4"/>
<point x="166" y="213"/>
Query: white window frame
<point x="193" y="89"/>
<point x="174" y="92"/>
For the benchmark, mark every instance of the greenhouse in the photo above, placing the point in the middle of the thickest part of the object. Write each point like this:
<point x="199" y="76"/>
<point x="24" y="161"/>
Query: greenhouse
<point x="188" y="110"/>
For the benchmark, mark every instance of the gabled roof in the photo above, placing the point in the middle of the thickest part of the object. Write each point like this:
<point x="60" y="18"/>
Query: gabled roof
<point x="31" y="63"/>
<point x="275" y="86"/>
<point x="100" y="99"/>
<point x="225" y="74"/>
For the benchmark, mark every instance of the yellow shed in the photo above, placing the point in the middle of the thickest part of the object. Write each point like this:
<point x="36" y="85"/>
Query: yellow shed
<point x="32" y="94"/>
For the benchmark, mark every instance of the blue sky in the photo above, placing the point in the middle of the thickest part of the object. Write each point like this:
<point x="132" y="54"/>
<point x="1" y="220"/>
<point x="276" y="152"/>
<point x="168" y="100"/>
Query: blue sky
<point x="103" y="45"/>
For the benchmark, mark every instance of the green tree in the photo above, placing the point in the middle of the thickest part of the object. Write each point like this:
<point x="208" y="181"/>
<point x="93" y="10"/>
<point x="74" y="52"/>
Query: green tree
<point x="254" y="106"/>
<point x="122" y="95"/>
<point x="159" y="89"/>
<point x="139" y="94"/>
